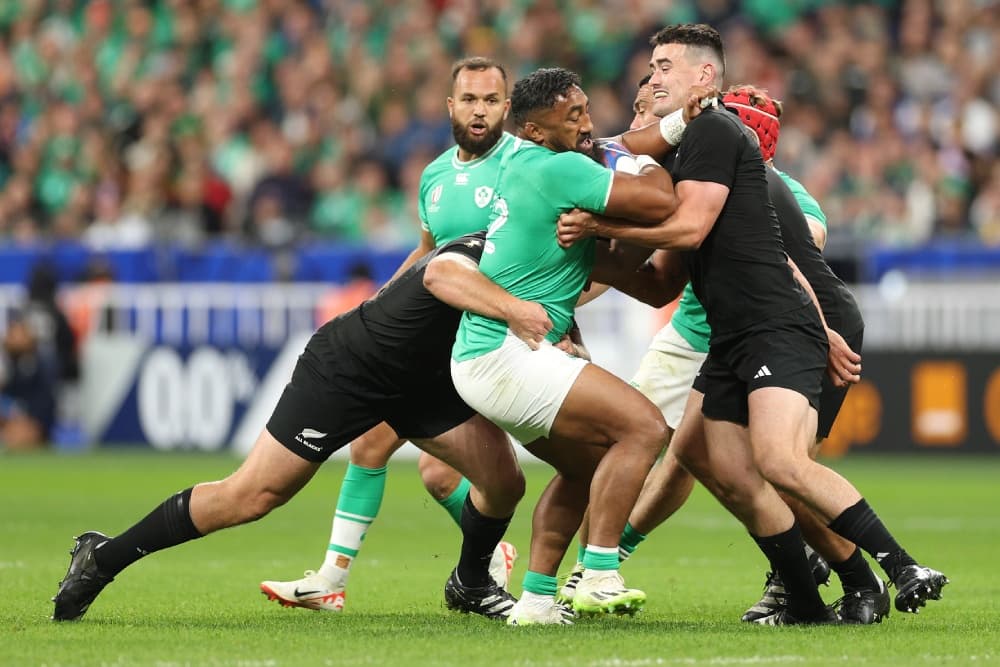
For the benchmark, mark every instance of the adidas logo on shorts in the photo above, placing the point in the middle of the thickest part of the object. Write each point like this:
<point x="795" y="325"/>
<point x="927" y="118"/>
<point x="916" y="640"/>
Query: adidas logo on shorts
<point x="764" y="371"/>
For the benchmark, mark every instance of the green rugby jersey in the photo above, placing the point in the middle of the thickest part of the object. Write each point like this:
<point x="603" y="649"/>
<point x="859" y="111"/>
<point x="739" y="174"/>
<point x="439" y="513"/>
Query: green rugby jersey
<point x="534" y="186"/>
<point x="806" y="201"/>
<point x="689" y="319"/>
<point x="455" y="196"/>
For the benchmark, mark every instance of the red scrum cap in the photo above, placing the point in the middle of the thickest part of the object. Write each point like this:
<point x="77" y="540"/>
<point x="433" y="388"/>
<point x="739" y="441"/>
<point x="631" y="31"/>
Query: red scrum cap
<point x="758" y="112"/>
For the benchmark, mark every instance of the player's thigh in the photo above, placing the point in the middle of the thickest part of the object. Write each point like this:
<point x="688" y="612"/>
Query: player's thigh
<point x="272" y="469"/>
<point x="478" y="449"/>
<point x="427" y="411"/>
<point x="517" y="388"/>
<point x="733" y="478"/>
<point x="727" y="450"/>
<point x="782" y="425"/>
<point x="574" y="460"/>
<point x="315" y="417"/>
<point x="687" y="444"/>
<point x="601" y="409"/>
<point x="667" y="372"/>
<point x="374" y="447"/>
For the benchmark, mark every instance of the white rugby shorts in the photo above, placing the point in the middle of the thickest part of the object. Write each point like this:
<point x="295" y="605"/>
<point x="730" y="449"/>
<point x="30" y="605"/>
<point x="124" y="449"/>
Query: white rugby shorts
<point x="519" y="389"/>
<point x="666" y="373"/>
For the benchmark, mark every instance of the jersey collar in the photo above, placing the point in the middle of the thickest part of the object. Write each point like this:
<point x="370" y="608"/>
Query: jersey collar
<point x="472" y="164"/>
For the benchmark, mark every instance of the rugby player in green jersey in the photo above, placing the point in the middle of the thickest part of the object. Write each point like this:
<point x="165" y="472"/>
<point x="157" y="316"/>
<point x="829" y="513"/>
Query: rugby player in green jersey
<point x="455" y="192"/>
<point x="600" y="434"/>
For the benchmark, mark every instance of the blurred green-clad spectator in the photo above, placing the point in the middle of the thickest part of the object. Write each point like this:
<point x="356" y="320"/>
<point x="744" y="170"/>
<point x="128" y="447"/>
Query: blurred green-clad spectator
<point x="127" y="122"/>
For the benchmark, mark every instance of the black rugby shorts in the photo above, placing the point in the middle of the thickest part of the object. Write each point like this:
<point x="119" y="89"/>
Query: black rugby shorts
<point x="787" y="351"/>
<point x="327" y="404"/>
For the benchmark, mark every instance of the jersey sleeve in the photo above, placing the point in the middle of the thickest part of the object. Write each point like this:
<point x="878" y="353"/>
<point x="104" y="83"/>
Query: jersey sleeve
<point x="421" y="206"/>
<point x="470" y="245"/>
<point x="574" y="180"/>
<point x="709" y="150"/>
<point x="806" y="201"/>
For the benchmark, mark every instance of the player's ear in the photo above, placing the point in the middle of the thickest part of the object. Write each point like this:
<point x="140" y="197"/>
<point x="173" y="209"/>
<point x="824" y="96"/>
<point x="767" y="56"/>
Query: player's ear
<point x="533" y="132"/>
<point x="451" y="106"/>
<point x="506" y="108"/>
<point x="707" y="74"/>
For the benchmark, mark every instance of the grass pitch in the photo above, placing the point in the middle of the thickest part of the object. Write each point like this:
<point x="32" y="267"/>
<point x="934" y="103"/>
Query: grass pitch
<point x="199" y="604"/>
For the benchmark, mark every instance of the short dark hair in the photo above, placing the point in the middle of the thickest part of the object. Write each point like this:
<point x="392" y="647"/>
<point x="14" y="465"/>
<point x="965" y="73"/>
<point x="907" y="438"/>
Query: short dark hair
<point x="699" y="35"/>
<point x="477" y="64"/>
<point x="540" y="90"/>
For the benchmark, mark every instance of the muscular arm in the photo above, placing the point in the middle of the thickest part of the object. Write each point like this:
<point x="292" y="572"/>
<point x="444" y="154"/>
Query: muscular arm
<point x="613" y="260"/>
<point x="699" y="205"/>
<point x="456" y="280"/>
<point x="645" y="198"/>
<point x="646" y="140"/>
<point x="657" y="282"/>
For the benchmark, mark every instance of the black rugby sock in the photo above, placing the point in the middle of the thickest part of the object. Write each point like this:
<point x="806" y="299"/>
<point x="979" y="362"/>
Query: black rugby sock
<point x="480" y="536"/>
<point x="856" y="574"/>
<point x="787" y="554"/>
<point x="859" y="524"/>
<point x="166" y="526"/>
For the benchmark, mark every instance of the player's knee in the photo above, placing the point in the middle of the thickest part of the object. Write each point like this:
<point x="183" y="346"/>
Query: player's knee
<point x="370" y="451"/>
<point x="651" y="430"/>
<point x="732" y="496"/>
<point x="259" y="504"/>
<point x="438" y="477"/>
<point x="514" y="485"/>
<point x="504" y="487"/>
<point x="784" y="473"/>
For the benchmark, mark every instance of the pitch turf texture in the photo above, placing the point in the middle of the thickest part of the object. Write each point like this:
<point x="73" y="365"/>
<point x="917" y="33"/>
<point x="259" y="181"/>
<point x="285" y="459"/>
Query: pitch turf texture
<point x="199" y="604"/>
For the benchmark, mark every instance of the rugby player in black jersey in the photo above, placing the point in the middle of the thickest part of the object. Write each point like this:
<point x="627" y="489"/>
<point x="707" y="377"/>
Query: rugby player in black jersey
<point x="387" y="360"/>
<point x="758" y="391"/>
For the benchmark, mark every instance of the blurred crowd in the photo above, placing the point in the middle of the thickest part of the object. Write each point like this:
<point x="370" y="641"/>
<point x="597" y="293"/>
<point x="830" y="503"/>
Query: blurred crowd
<point x="124" y="122"/>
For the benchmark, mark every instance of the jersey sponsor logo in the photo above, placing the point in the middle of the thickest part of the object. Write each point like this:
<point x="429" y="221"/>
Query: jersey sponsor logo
<point x="461" y="178"/>
<point x="484" y="195"/>
<point x="308" y="434"/>
<point x="763" y="372"/>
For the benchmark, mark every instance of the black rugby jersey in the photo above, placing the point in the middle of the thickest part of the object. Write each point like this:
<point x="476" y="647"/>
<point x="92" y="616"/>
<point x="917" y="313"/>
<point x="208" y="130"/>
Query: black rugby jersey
<point x="839" y="307"/>
<point x="740" y="273"/>
<point x="403" y="335"/>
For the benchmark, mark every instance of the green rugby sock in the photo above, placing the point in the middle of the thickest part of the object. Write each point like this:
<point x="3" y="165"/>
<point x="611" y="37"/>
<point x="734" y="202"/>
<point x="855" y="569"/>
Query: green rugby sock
<point x="629" y="540"/>
<point x="357" y="506"/>
<point x="456" y="500"/>
<point x="600" y="558"/>
<point x="539" y="584"/>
